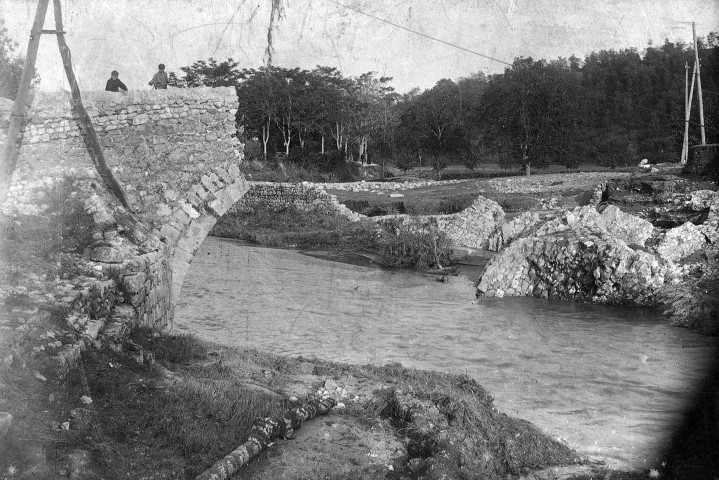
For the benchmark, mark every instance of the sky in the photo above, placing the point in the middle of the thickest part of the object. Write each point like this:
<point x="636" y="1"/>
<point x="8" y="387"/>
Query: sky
<point x="134" y="36"/>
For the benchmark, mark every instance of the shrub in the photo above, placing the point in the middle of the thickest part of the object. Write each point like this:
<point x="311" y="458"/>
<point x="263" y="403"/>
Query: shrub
<point x="415" y="246"/>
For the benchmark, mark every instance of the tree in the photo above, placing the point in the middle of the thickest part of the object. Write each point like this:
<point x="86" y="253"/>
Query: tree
<point x="211" y="74"/>
<point x="405" y="161"/>
<point x="535" y="110"/>
<point x="257" y="103"/>
<point x="11" y="65"/>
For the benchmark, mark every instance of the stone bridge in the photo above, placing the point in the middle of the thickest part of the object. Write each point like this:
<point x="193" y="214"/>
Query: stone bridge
<point x="174" y="152"/>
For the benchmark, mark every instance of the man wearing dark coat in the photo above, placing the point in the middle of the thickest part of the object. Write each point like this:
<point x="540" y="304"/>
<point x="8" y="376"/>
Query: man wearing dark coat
<point x="114" y="84"/>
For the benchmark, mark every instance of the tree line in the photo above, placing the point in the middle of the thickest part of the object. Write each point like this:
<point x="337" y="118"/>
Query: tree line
<point x="614" y="107"/>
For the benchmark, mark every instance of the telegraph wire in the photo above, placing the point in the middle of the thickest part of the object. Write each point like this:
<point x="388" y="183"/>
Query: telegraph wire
<point x="473" y="52"/>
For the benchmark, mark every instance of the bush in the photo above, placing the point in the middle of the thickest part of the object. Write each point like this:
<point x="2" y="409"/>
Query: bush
<point x="415" y="246"/>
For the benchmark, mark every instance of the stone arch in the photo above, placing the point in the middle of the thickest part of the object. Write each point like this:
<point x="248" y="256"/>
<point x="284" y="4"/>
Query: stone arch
<point x="187" y="228"/>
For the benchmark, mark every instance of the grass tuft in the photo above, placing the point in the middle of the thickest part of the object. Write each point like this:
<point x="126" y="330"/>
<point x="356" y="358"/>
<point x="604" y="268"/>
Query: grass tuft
<point x="190" y="420"/>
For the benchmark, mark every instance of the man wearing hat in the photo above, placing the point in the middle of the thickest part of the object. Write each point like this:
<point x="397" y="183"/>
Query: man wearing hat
<point x="114" y="84"/>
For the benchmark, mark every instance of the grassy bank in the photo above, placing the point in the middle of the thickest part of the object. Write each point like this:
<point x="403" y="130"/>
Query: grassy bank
<point x="392" y="246"/>
<point x="197" y="402"/>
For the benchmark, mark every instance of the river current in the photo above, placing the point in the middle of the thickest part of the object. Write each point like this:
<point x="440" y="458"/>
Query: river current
<point x="614" y="383"/>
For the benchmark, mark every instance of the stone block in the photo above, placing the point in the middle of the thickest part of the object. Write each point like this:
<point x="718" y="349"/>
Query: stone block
<point x="190" y="210"/>
<point x="169" y="232"/>
<point x="234" y="171"/>
<point x="93" y="327"/>
<point x="141" y="119"/>
<point x="134" y="283"/>
<point x="199" y="191"/>
<point x="225" y="175"/>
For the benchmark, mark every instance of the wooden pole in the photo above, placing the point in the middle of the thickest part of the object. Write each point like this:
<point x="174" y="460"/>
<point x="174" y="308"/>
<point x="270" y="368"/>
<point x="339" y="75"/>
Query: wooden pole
<point x="698" y="68"/>
<point x="685" y="144"/>
<point x="92" y="143"/>
<point x="687" y="115"/>
<point x="8" y="156"/>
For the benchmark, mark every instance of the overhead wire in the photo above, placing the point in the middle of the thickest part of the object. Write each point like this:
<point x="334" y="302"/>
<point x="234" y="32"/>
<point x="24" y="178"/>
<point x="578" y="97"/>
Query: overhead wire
<point x="488" y="57"/>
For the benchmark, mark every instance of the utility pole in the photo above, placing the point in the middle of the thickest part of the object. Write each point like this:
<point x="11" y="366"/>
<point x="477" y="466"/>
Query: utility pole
<point x="687" y="113"/>
<point x="89" y="136"/>
<point x="8" y="157"/>
<point x="697" y="68"/>
<point x="686" y="108"/>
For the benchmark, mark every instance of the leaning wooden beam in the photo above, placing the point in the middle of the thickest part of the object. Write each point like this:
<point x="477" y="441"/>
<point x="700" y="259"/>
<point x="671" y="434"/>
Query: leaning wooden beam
<point x="83" y="119"/>
<point x="262" y="433"/>
<point x="8" y="156"/>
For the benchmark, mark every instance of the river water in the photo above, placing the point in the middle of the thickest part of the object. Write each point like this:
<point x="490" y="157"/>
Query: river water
<point x="612" y="382"/>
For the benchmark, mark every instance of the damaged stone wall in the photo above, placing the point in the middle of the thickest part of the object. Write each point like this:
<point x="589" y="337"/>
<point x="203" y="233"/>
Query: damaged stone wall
<point x="472" y="227"/>
<point x="175" y="153"/>
<point x="591" y="256"/>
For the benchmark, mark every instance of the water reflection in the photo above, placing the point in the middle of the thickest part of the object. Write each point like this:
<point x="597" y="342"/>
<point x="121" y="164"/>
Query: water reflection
<point x="613" y="382"/>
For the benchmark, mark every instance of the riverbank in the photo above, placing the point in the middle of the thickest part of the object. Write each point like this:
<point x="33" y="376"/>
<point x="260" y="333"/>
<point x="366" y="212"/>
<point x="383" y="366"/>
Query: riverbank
<point x="613" y="381"/>
<point x="47" y="410"/>
<point x="196" y="403"/>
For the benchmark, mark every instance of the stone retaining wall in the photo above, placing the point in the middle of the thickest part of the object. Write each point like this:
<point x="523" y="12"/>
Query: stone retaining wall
<point x="303" y="196"/>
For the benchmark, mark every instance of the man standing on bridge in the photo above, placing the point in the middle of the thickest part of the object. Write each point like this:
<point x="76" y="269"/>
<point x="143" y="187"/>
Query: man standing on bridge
<point x="114" y="84"/>
<point x="159" y="80"/>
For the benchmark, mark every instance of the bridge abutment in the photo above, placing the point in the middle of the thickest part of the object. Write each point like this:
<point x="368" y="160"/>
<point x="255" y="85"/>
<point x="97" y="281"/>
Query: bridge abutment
<point x="176" y="154"/>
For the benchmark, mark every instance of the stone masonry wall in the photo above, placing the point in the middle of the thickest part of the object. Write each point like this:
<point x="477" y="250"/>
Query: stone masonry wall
<point x="158" y="143"/>
<point x="303" y="196"/>
<point x="175" y="154"/>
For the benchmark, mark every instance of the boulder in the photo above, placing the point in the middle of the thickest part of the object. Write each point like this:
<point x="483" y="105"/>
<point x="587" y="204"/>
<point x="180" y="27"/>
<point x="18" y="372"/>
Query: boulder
<point x="577" y="257"/>
<point x="680" y="242"/>
<point x="629" y="228"/>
